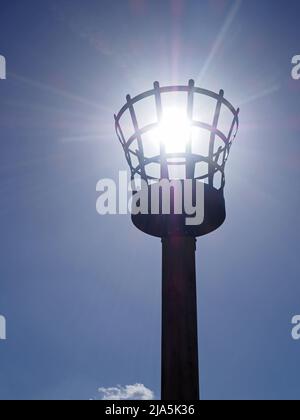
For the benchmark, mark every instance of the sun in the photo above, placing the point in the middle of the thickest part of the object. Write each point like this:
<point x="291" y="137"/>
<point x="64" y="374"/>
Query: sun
<point x="174" y="130"/>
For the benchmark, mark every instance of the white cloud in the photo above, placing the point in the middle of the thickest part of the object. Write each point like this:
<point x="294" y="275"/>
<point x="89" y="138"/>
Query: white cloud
<point x="128" y="392"/>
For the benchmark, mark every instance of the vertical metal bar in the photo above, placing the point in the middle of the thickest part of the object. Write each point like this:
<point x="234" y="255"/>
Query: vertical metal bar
<point x="190" y="165"/>
<point x="180" y="366"/>
<point x="235" y="121"/>
<point x="164" y="171"/>
<point x="138" y="136"/>
<point x="123" y="142"/>
<point x="228" y="145"/>
<point x="213" y="138"/>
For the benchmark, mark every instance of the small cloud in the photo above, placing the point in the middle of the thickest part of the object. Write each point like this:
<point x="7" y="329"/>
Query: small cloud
<point x="128" y="392"/>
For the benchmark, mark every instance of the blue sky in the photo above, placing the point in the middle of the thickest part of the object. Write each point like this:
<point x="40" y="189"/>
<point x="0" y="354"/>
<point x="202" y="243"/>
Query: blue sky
<point x="81" y="293"/>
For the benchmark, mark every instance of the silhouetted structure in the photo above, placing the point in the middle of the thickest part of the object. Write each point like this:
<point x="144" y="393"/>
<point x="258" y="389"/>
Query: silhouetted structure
<point x="213" y="124"/>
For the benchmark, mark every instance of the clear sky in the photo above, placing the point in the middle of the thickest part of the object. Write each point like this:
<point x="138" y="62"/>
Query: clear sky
<point x="80" y="292"/>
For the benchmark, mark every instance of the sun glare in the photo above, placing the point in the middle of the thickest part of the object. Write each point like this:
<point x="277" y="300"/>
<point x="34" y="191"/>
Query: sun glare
<point x="174" y="130"/>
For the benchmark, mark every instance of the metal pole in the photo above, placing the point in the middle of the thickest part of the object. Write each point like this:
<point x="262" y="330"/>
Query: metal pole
<point x="180" y="367"/>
